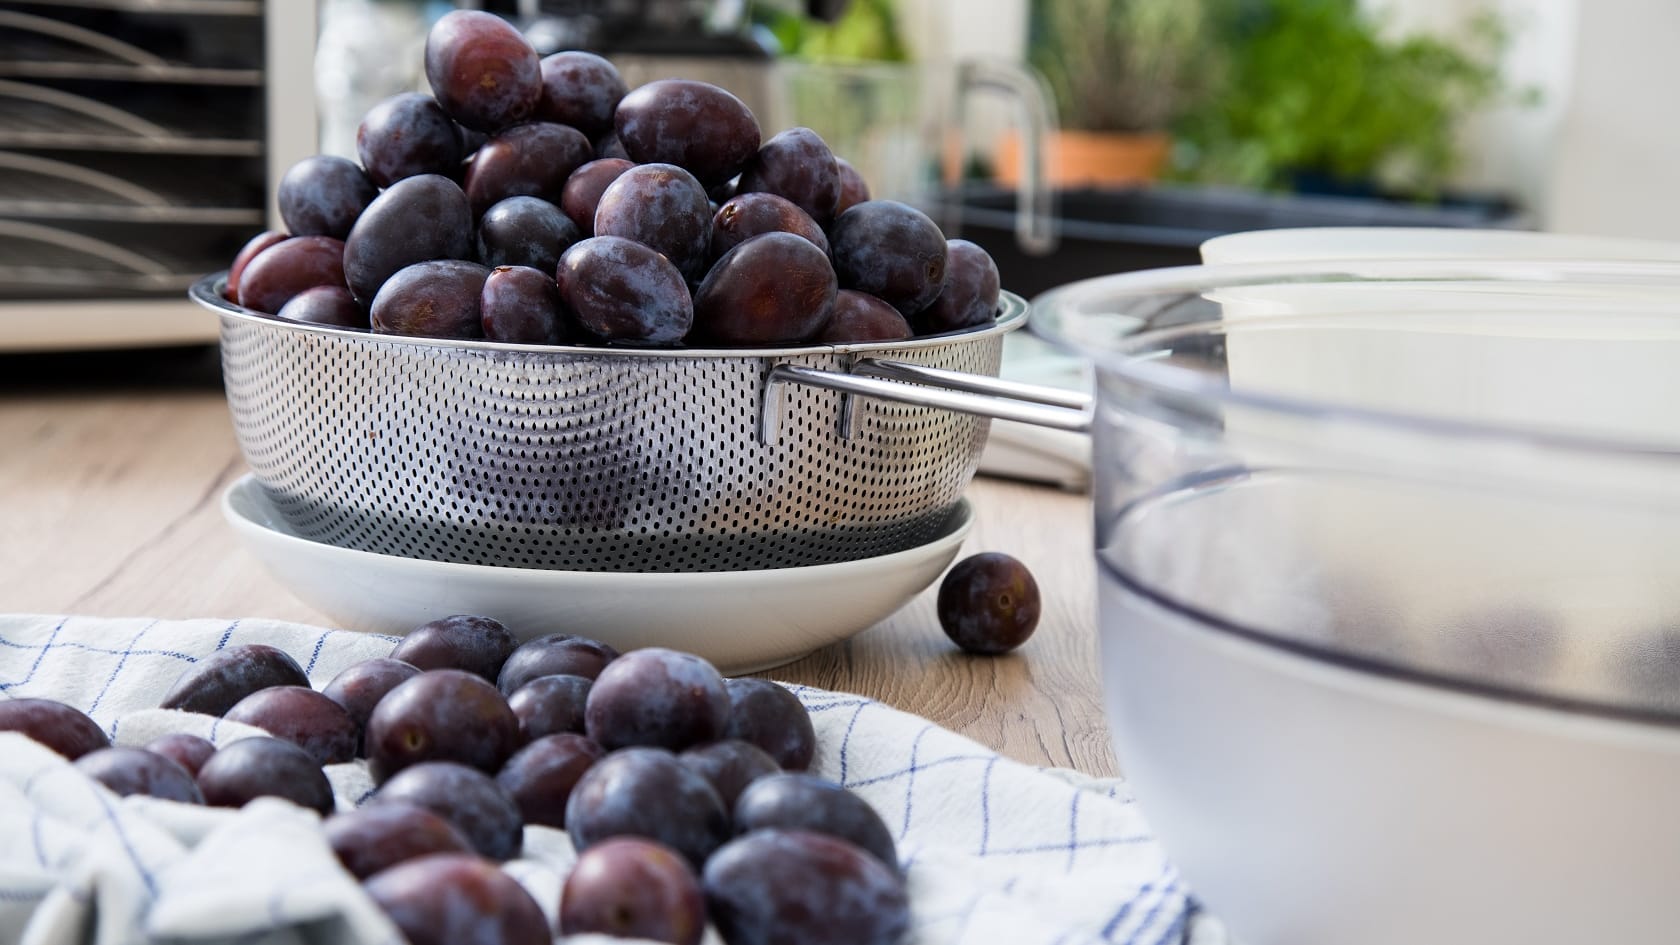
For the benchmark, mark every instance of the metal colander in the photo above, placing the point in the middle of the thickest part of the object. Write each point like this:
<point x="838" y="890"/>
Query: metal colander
<point x="590" y="459"/>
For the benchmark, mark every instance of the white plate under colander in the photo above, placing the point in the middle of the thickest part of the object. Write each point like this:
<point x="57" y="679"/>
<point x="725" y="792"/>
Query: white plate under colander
<point x="743" y="621"/>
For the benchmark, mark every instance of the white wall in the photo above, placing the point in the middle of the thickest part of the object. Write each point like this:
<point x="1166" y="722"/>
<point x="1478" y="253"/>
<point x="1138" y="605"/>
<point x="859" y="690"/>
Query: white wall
<point x="1510" y="147"/>
<point x="1601" y="153"/>
<point x="949" y="31"/>
<point x="956" y="29"/>
<point x="1617" y="167"/>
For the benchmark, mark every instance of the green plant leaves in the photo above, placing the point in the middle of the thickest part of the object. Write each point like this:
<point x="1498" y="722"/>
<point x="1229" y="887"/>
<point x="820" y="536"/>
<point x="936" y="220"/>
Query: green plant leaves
<point x="1316" y="86"/>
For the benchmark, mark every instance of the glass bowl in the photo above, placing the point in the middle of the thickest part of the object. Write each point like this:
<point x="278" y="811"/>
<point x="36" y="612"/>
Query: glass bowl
<point x="1389" y="563"/>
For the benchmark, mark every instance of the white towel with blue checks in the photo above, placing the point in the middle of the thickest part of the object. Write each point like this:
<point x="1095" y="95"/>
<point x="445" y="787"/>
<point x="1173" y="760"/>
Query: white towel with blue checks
<point x="996" y="851"/>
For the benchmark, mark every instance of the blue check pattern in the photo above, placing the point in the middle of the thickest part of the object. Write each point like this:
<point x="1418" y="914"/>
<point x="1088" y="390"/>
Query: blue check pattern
<point x="994" y="851"/>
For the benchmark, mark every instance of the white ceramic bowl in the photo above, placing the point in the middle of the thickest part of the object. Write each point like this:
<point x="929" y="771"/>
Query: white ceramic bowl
<point x="742" y="621"/>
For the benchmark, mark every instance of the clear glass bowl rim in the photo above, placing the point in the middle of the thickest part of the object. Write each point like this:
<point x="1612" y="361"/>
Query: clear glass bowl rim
<point x="1064" y="315"/>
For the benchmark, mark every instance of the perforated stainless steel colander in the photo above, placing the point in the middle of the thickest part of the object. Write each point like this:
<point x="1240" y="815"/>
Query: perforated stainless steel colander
<point x="616" y="460"/>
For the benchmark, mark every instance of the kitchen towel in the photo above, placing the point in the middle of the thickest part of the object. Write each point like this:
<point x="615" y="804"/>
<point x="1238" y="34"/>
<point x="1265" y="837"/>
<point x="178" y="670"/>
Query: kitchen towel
<point x="995" y="851"/>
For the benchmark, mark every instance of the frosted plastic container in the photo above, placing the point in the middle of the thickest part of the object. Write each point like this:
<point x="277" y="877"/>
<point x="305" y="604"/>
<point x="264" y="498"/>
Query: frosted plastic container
<point x="1389" y="556"/>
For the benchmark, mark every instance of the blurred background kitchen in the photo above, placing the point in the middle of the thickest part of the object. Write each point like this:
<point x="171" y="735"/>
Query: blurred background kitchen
<point x="140" y="139"/>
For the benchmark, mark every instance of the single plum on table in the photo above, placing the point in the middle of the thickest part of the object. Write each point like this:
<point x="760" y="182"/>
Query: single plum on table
<point x="988" y="603"/>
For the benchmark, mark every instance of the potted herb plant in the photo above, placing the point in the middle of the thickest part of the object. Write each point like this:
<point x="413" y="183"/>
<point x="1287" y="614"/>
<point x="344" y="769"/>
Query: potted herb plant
<point x="1121" y="71"/>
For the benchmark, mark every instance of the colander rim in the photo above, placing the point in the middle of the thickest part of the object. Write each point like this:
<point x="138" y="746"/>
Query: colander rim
<point x="1013" y="312"/>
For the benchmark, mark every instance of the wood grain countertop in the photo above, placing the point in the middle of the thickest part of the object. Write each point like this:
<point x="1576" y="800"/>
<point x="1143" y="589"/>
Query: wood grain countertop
<point x="112" y="467"/>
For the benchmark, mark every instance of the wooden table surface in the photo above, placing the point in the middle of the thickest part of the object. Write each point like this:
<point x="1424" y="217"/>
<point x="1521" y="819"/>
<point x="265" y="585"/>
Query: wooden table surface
<point x="112" y="467"/>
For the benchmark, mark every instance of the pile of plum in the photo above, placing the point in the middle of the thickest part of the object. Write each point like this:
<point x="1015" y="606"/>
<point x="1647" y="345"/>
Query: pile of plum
<point x="543" y="202"/>
<point x="682" y="791"/>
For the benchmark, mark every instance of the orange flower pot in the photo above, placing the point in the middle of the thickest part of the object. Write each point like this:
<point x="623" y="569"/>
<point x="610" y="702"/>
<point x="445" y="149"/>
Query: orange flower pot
<point x="1091" y="158"/>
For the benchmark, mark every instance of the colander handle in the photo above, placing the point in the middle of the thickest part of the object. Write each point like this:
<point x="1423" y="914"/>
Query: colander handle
<point x="929" y="387"/>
